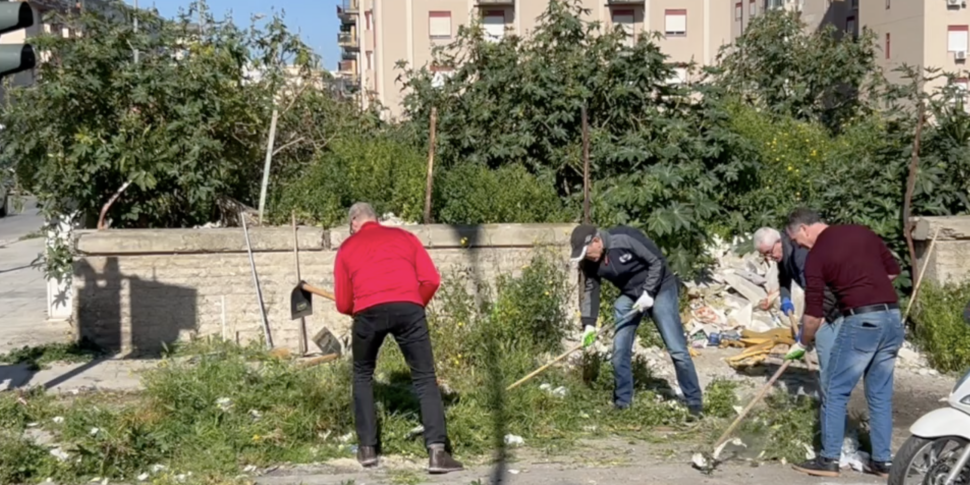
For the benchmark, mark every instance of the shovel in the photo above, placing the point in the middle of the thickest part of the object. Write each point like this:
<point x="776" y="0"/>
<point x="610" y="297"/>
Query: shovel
<point x="301" y="305"/>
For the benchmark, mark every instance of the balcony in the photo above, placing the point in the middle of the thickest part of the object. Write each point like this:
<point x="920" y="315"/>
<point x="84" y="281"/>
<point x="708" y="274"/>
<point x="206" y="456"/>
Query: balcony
<point x="499" y="3"/>
<point x="347" y="67"/>
<point x="348" y="11"/>
<point x="614" y="3"/>
<point x="348" y="41"/>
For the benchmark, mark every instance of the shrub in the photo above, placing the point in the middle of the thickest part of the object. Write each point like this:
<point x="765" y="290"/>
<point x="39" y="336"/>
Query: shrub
<point x="939" y="327"/>
<point x="377" y="169"/>
<point x="472" y="193"/>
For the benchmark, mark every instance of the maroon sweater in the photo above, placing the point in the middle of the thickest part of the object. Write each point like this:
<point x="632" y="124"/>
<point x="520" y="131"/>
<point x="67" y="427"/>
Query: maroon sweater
<point x="855" y="263"/>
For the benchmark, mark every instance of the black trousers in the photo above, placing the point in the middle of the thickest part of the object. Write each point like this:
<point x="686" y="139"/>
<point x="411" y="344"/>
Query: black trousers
<point x="407" y="323"/>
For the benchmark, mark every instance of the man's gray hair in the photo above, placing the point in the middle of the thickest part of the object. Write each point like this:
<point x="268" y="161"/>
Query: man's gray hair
<point x="766" y="237"/>
<point x="362" y="211"/>
<point x="802" y="217"/>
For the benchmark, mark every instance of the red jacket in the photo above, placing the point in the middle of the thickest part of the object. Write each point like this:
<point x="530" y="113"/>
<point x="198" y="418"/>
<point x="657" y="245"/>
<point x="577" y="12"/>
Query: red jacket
<point x="382" y="265"/>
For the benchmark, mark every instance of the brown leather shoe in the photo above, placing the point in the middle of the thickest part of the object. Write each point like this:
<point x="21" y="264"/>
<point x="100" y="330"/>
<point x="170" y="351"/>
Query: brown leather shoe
<point x="439" y="461"/>
<point x="367" y="456"/>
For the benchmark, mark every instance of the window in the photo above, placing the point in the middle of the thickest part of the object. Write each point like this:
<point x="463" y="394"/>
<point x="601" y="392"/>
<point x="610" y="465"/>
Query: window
<point x="679" y="76"/>
<point x="624" y="19"/>
<point x="775" y="4"/>
<point x="957" y="38"/>
<point x="854" y="4"/>
<point x="850" y="25"/>
<point x="752" y="8"/>
<point x="369" y="20"/>
<point x="887" y="4"/>
<point x="887" y="49"/>
<point x="370" y="60"/>
<point x="962" y="84"/>
<point x="439" y="25"/>
<point x="738" y="8"/>
<point x="675" y="22"/>
<point x="494" y="24"/>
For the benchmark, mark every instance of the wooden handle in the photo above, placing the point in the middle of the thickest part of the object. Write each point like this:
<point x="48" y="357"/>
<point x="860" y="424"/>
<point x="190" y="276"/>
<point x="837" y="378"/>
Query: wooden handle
<point x="318" y="291"/>
<point x="318" y="360"/>
<point x="565" y="354"/>
<point x="756" y="400"/>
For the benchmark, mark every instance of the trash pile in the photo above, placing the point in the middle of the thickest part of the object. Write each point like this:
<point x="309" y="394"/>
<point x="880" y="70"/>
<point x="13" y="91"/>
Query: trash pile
<point x="726" y="308"/>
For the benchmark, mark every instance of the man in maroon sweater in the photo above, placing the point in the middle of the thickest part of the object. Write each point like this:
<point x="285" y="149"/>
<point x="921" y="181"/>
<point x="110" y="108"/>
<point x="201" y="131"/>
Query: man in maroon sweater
<point x="856" y="264"/>
<point x="384" y="278"/>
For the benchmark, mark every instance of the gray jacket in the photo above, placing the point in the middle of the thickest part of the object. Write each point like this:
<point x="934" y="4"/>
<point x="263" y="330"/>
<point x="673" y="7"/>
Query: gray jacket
<point x="631" y="261"/>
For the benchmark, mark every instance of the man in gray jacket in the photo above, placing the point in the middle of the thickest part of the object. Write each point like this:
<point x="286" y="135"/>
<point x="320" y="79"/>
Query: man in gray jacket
<point x="627" y="258"/>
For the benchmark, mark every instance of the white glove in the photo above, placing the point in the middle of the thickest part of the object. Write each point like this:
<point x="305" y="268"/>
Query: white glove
<point x="589" y="335"/>
<point x="644" y="303"/>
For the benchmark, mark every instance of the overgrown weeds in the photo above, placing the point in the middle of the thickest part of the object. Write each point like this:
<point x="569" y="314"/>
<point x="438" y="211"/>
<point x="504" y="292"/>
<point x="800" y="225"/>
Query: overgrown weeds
<point x="939" y="328"/>
<point x="227" y="408"/>
<point x="43" y="355"/>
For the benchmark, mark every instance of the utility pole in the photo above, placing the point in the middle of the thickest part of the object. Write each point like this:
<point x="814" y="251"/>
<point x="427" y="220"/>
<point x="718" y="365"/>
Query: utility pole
<point x="136" y="29"/>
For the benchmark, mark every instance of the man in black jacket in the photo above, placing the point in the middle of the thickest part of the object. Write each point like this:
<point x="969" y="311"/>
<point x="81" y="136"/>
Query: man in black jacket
<point x="627" y="258"/>
<point x="776" y="245"/>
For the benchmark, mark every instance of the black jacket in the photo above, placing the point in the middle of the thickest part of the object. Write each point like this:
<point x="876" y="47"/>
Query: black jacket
<point x="631" y="261"/>
<point x="792" y="269"/>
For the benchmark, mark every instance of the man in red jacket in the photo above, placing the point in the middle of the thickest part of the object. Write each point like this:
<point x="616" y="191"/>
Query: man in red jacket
<point x="384" y="278"/>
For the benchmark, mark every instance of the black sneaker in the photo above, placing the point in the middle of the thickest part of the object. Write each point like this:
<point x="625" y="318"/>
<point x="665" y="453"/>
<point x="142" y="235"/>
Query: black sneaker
<point x="879" y="468"/>
<point x="819" y="467"/>
<point x="367" y="456"/>
<point x="696" y="412"/>
<point x="440" y="461"/>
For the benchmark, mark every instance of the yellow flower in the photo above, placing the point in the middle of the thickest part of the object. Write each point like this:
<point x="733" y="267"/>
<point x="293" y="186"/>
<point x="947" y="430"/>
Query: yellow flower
<point x="790" y="168"/>
<point x="257" y="437"/>
<point x="814" y="153"/>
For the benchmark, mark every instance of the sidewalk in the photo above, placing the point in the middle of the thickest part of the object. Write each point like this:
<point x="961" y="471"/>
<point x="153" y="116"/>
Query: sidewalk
<point x="23" y="299"/>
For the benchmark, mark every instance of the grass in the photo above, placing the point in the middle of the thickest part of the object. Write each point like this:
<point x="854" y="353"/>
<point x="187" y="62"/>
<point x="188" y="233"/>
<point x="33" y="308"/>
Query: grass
<point x="939" y="327"/>
<point x="228" y="408"/>
<point x="41" y="356"/>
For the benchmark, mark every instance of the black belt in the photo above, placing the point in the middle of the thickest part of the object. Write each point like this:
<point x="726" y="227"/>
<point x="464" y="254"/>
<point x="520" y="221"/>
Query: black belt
<point x="882" y="307"/>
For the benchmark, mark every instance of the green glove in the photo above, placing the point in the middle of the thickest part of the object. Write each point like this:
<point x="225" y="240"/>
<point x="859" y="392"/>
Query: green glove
<point x="796" y="352"/>
<point x="589" y="335"/>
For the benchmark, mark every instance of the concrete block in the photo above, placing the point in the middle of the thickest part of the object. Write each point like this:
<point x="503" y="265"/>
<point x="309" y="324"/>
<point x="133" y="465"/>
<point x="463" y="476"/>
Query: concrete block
<point x="488" y="235"/>
<point x="184" y="241"/>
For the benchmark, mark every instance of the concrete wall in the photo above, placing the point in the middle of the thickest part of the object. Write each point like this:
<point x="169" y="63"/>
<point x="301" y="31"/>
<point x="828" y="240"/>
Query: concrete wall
<point x="950" y="260"/>
<point x="137" y="289"/>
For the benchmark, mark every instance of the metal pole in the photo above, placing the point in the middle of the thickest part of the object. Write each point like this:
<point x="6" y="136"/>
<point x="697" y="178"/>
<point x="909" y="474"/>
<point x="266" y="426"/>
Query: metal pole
<point x="136" y="29"/>
<point x="269" y="161"/>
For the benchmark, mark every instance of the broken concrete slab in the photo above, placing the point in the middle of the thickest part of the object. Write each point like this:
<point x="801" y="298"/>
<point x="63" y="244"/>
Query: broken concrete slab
<point x="747" y="289"/>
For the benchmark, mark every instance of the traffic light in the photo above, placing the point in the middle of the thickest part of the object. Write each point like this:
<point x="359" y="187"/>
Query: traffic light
<point x="15" y="57"/>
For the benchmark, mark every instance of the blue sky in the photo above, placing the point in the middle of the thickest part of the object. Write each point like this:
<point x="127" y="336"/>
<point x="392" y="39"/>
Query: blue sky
<point x="316" y="20"/>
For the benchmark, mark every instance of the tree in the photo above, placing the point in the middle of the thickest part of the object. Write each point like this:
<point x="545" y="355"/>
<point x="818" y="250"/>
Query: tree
<point x="659" y="159"/>
<point x="780" y="66"/>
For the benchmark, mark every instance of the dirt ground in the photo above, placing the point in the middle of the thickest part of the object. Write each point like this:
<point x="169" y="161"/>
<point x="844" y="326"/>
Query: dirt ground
<point x="614" y="461"/>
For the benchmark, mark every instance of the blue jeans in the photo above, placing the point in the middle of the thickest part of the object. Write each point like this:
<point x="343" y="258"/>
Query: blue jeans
<point x="867" y="345"/>
<point x="666" y="315"/>
<point x="824" y="341"/>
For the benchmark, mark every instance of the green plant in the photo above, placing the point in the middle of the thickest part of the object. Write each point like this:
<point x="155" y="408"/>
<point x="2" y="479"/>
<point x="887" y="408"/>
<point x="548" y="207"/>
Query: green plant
<point x="939" y="329"/>
<point x="39" y="356"/>
<point x="375" y="168"/>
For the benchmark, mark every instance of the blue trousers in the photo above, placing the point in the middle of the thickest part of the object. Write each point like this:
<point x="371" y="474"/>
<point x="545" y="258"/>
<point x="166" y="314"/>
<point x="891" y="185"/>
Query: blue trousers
<point x="666" y="315"/>
<point x="866" y="347"/>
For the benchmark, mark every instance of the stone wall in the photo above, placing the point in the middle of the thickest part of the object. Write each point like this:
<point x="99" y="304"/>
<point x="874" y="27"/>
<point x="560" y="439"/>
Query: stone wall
<point x="950" y="260"/>
<point x="135" y="290"/>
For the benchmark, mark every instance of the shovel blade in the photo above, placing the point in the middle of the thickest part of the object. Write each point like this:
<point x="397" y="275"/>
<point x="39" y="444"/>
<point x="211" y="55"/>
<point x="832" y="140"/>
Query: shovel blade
<point x="301" y="303"/>
<point x="327" y="342"/>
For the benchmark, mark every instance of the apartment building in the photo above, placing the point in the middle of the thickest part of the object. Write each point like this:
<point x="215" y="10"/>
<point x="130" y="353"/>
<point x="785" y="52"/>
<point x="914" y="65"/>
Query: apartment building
<point x="930" y="33"/>
<point x="376" y="35"/>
